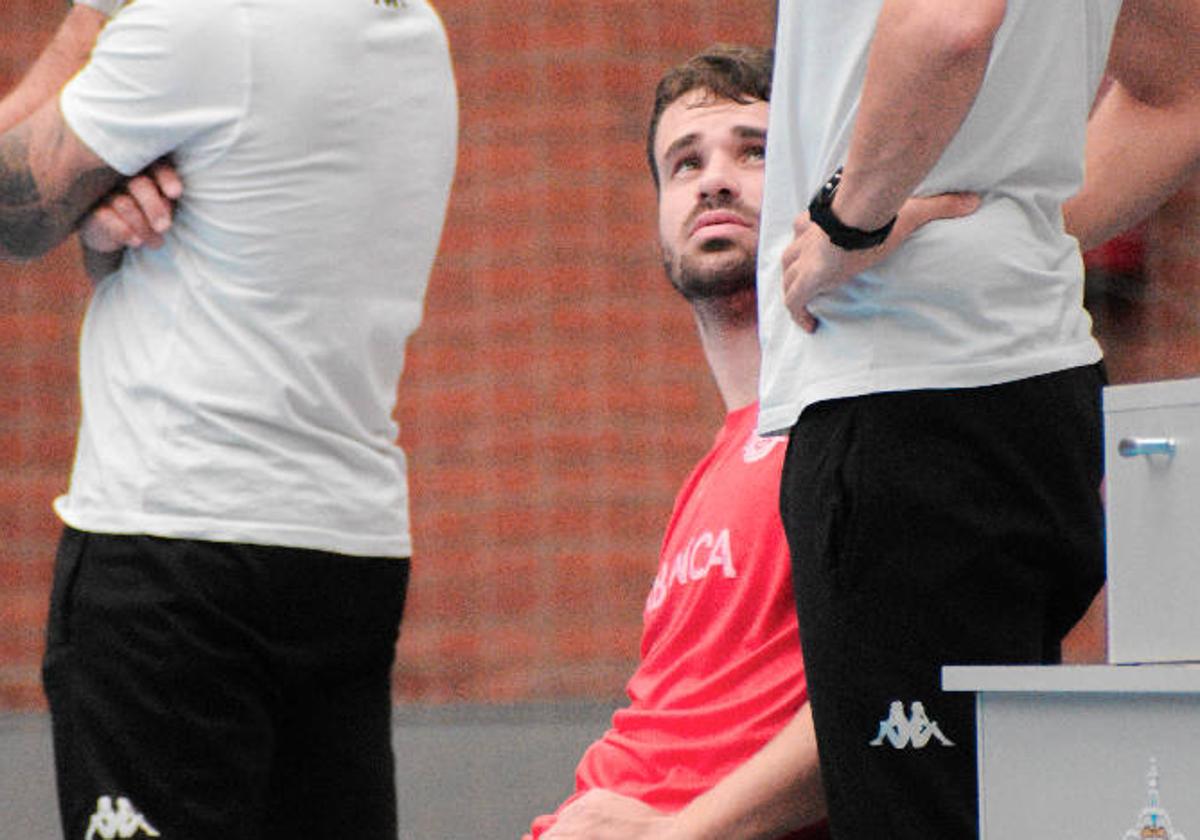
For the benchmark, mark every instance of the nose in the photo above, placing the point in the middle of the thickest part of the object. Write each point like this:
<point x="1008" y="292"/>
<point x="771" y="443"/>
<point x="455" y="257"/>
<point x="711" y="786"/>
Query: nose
<point x="718" y="179"/>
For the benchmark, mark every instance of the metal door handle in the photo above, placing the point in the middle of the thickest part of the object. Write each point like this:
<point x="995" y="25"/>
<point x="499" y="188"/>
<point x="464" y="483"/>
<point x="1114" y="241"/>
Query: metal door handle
<point x="1133" y="447"/>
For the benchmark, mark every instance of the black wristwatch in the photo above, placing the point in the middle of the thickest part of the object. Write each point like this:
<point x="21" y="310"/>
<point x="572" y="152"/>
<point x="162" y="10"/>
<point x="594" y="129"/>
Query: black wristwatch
<point x="820" y="210"/>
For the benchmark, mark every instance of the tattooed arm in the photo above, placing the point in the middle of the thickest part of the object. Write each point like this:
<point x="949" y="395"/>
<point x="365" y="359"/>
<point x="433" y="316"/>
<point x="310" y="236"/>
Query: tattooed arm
<point x="63" y="57"/>
<point x="48" y="181"/>
<point x="127" y="217"/>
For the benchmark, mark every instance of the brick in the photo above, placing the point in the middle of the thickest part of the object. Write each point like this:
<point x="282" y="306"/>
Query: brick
<point x="23" y="607"/>
<point x="20" y="687"/>
<point x="555" y="396"/>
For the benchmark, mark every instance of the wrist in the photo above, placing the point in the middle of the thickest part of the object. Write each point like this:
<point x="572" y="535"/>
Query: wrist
<point x="856" y="213"/>
<point x="702" y="819"/>
<point x="674" y="829"/>
<point x="843" y="233"/>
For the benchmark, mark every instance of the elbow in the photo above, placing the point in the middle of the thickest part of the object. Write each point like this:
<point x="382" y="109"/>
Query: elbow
<point x="961" y="31"/>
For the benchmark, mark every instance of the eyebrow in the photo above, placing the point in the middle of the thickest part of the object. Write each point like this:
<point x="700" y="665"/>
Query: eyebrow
<point x="742" y="132"/>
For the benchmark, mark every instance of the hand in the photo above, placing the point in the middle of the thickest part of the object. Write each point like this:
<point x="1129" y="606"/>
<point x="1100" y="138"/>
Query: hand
<point x="604" y="815"/>
<point x="136" y="214"/>
<point x="812" y="265"/>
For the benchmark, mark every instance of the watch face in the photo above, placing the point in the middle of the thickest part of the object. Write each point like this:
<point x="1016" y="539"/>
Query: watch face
<point x="831" y="186"/>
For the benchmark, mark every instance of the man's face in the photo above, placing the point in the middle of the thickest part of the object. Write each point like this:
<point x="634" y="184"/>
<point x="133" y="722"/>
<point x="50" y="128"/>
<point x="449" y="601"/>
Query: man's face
<point x="710" y="155"/>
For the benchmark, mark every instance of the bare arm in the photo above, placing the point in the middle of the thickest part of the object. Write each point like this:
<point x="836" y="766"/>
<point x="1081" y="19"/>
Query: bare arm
<point x="926" y="65"/>
<point x="924" y="70"/>
<point x="1143" y="140"/>
<point x="63" y="57"/>
<point x="776" y="791"/>
<point x="48" y="180"/>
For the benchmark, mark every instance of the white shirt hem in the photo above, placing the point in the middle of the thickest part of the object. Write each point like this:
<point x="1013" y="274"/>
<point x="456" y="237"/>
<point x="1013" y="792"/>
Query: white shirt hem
<point x="776" y="416"/>
<point x="253" y="533"/>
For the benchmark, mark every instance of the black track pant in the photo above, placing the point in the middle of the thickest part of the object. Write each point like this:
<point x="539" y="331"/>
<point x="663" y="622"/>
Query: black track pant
<point x="931" y="528"/>
<point x="202" y="690"/>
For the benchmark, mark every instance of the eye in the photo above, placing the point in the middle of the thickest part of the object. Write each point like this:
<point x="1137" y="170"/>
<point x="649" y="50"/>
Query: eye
<point x="757" y="151"/>
<point x="686" y="163"/>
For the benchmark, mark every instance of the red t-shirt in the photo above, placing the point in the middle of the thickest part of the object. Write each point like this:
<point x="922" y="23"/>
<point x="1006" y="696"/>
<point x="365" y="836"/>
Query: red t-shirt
<point x="721" y="671"/>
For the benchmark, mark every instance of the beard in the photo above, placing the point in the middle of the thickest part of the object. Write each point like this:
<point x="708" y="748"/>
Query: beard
<point x="721" y="270"/>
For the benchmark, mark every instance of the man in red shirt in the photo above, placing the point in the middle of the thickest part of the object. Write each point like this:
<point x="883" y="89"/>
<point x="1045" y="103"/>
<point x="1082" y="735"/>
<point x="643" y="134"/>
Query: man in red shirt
<point x="717" y="740"/>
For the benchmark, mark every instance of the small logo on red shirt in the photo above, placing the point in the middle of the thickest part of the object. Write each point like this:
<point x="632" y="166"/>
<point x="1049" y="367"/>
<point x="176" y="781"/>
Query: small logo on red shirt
<point x="758" y="447"/>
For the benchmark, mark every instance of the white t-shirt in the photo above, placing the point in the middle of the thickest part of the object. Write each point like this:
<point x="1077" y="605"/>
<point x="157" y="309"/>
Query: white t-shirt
<point x="106" y="7"/>
<point x="238" y="384"/>
<point x="990" y="298"/>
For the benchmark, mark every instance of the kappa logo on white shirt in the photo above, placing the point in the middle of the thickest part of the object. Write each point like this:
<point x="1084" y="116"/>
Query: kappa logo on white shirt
<point x="122" y="822"/>
<point x="758" y="447"/>
<point x="915" y="730"/>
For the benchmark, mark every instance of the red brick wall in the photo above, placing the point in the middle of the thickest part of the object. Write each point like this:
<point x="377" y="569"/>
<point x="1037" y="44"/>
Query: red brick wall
<point x="554" y="397"/>
<point x="556" y="394"/>
<point x="553" y="400"/>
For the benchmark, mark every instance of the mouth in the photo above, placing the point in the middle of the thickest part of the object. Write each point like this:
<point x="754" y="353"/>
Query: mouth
<point x="717" y="218"/>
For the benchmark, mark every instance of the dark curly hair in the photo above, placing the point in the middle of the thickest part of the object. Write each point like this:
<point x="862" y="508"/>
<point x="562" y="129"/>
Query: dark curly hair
<point x="737" y="73"/>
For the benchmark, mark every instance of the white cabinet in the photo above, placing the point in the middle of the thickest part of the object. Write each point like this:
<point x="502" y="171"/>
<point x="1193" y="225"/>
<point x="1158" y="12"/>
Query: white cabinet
<point x="1068" y="751"/>
<point x="1152" y="467"/>
<point x="1112" y="752"/>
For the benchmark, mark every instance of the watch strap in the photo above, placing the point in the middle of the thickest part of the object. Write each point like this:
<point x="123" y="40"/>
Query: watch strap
<point x="820" y="210"/>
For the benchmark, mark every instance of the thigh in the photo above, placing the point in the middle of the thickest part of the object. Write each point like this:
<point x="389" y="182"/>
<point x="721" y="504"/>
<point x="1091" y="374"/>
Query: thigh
<point x="333" y="765"/>
<point x="926" y="530"/>
<point x="334" y="774"/>
<point x="874" y="637"/>
<point x="159" y="708"/>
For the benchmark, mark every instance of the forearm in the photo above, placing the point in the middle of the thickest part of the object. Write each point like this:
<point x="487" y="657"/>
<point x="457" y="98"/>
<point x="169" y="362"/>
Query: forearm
<point x="1137" y="157"/>
<point x="924" y="70"/>
<point x="48" y="181"/>
<point x="63" y="57"/>
<point x="1143" y="141"/>
<point x="776" y="791"/>
<point x="100" y="264"/>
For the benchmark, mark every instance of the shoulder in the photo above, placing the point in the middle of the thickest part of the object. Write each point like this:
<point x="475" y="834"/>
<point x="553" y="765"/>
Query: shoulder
<point x="162" y="72"/>
<point x="164" y="45"/>
<point x="1154" y="47"/>
<point x="177" y="25"/>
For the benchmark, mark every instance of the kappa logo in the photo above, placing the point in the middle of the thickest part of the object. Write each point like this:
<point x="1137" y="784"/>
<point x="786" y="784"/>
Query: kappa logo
<point x="122" y="822"/>
<point x="916" y="730"/>
<point x="758" y="447"/>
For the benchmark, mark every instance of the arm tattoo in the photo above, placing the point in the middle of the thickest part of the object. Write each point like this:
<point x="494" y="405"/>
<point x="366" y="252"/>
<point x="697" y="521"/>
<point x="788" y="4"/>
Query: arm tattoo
<point x="32" y="222"/>
<point x="22" y="219"/>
